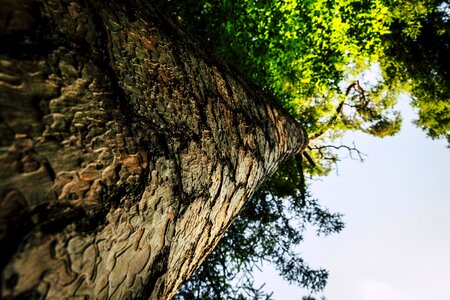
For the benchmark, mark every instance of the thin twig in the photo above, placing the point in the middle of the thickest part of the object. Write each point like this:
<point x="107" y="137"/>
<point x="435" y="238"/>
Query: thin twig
<point x="351" y="150"/>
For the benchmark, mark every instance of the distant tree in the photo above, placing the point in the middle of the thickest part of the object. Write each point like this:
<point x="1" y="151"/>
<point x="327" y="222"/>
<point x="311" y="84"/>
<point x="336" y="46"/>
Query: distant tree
<point x="416" y="58"/>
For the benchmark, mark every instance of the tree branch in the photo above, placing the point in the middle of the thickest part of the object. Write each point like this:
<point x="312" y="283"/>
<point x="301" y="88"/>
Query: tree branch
<point x="354" y="86"/>
<point x="351" y="150"/>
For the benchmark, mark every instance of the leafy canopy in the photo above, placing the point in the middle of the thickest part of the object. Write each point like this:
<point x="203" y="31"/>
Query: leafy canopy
<point x="306" y="53"/>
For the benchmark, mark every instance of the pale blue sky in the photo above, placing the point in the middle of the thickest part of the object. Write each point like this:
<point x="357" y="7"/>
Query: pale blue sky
<point x="396" y="244"/>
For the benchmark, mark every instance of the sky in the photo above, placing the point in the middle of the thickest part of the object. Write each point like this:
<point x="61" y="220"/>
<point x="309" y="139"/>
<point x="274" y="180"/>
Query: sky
<point x="396" y="206"/>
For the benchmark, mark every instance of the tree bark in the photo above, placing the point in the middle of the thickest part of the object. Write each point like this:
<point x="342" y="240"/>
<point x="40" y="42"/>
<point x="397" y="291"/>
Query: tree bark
<point x="126" y="150"/>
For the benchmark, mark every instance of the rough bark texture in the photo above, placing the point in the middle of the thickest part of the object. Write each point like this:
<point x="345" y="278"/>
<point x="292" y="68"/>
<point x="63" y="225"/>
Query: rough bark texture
<point x="125" y="150"/>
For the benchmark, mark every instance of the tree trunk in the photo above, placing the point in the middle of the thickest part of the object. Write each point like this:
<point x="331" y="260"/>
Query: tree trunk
<point x="126" y="150"/>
